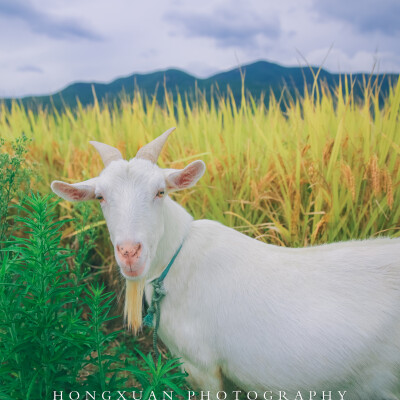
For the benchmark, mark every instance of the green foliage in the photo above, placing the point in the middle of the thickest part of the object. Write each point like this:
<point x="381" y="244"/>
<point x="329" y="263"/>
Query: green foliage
<point x="53" y="332"/>
<point x="100" y="304"/>
<point x="15" y="176"/>
<point x="84" y="243"/>
<point x="158" y="377"/>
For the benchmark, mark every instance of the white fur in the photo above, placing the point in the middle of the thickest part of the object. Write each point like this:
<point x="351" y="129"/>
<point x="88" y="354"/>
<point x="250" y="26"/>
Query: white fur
<point x="264" y="317"/>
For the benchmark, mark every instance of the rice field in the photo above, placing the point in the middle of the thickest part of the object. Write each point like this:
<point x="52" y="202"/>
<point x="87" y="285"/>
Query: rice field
<point x="325" y="169"/>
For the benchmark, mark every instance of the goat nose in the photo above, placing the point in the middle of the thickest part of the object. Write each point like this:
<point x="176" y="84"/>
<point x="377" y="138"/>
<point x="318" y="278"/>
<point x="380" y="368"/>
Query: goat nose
<point x="129" y="252"/>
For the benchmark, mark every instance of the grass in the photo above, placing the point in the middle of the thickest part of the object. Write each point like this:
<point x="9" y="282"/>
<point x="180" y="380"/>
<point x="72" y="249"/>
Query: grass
<point x="323" y="170"/>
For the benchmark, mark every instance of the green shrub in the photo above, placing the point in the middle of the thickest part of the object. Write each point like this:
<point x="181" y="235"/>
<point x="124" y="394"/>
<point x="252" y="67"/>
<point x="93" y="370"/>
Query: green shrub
<point x="44" y="340"/>
<point x="15" y="178"/>
<point x="158" y="377"/>
<point x="53" y="334"/>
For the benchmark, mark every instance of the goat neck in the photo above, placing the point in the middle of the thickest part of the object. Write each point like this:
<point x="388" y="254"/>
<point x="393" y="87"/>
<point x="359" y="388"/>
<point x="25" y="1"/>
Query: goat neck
<point x="177" y="225"/>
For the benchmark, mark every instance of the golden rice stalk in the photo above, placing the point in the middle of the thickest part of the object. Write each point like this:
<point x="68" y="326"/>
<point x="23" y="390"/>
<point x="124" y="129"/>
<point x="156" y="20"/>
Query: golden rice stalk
<point x="326" y="154"/>
<point x="375" y="174"/>
<point x="295" y="213"/>
<point x="319" y="228"/>
<point x="305" y="150"/>
<point x="349" y="179"/>
<point x="388" y="187"/>
<point x="313" y="173"/>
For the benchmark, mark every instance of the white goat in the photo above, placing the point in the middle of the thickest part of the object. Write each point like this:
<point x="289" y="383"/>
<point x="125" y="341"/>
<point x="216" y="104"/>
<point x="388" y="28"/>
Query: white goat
<point x="264" y="317"/>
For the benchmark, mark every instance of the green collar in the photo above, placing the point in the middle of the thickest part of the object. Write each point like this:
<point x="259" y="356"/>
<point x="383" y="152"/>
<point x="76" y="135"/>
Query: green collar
<point x="158" y="294"/>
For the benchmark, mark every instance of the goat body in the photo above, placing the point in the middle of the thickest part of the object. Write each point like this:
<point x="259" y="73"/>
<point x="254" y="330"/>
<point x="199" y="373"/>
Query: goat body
<point x="324" y="318"/>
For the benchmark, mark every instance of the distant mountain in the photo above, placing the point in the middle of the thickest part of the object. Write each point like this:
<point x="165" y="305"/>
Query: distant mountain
<point x="260" y="77"/>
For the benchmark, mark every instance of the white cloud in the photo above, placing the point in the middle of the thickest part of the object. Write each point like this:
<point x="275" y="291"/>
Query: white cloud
<point x="44" y="23"/>
<point x="228" y="27"/>
<point x="365" y="16"/>
<point x="47" y="44"/>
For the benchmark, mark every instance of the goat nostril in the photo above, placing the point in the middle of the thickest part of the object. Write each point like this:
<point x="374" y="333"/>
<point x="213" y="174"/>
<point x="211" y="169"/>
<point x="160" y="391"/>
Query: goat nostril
<point x="129" y="251"/>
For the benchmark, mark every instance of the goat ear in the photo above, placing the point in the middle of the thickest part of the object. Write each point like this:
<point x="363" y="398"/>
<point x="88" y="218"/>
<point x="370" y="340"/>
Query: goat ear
<point x="185" y="178"/>
<point x="75" y="192"/>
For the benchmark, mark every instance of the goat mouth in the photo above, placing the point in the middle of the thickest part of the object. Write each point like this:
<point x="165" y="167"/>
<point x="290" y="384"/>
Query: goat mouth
<point x="134" y="271"/>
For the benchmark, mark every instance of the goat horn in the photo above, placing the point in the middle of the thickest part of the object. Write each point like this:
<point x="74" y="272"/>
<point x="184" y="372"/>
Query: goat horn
<point x="107" y="153"/>
<point x="152" y="150"/>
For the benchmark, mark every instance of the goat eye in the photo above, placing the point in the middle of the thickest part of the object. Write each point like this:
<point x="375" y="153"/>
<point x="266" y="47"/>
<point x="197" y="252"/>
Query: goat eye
<point x="99" y="197"/>
<point x="160" y="193"/>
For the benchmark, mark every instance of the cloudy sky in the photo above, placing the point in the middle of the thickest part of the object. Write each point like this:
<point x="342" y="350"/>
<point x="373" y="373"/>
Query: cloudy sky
<point x="47" y="44"/>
